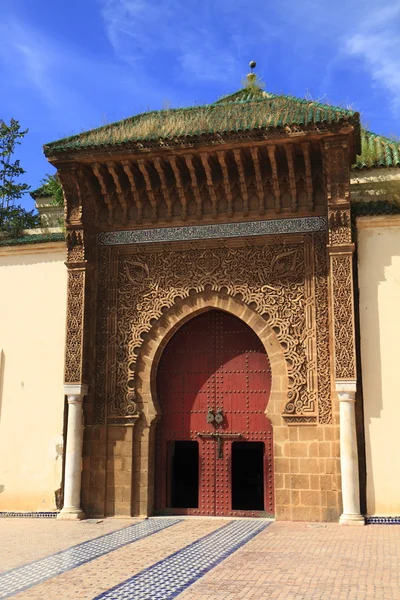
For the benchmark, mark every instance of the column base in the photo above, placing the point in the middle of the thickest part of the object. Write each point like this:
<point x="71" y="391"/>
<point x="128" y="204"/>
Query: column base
<point x="351" y="520"/>
<point x="71" y="514"/>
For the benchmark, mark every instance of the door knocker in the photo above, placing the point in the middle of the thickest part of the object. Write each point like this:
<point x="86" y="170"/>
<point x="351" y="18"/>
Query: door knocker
<point x="219" y="417"/>
<point x="210" y="417"/>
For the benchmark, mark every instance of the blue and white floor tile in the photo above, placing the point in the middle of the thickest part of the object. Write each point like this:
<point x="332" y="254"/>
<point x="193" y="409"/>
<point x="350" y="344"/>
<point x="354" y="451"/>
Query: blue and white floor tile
<point x="172" y="575"/>
<point x="27" y="576"/>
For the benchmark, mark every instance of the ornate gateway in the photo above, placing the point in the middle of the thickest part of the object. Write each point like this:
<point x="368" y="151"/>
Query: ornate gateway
<point x="179" y="225"/>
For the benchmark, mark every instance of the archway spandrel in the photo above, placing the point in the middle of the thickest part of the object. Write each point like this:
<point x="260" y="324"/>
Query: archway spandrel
<point x="265" y="284"/>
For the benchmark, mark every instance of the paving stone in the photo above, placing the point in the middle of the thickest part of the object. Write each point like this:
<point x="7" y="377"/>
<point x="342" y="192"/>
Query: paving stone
<point x="25" y="540"/>
<point x="285" y="561"/>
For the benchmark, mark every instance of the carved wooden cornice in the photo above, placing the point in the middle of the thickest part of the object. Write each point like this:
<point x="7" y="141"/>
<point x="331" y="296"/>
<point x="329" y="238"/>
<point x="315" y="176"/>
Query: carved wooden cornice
<point x="97" y="170"/>
<point x="259" y="184"/>
<point x="126" y="165"/>
<point x="149" y="188"/>
<point x="292" y="177"/>
<point x="242" y="180"/>
<point x="195" y="184"/>
<point x="308" y="174"/>
<point x="275" y="181"/>
<point x="73" y="198"/>
<point x="215" y="185"/>
<point x="164" y="186"/>
<point x="205" y="161"/>
<point x="179" y="186"/>
<point x="113" y="170"/>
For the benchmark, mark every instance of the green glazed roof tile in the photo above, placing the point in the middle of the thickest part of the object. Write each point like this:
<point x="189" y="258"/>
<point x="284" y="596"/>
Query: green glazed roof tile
<point x="244" y="110"/>
<point x="377" y="151"/>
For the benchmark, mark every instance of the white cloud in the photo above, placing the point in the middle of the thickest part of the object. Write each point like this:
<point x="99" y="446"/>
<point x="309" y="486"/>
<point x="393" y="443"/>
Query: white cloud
<point x="200" y="39"/>
<point x="376" y="41"/>
<point x="37" y="67"/>
<point x="352" y="29"/>
<point x="65" y="83"/>
<point x="23" y="54"/>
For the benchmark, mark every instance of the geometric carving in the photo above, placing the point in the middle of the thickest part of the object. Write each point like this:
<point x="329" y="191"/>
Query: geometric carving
<point x="73" y="359"/>
<point x="340" y="251"/>
<point x="322" y="331"/>
<point x="273" y="276"/>
<point x="342" y="283"/>
<point x="221" y="230"/>
<point x="338" y="171"/>
<point x="75" y="245"/>
<point x="102" y="336"/>
<point x="339" y="226"/>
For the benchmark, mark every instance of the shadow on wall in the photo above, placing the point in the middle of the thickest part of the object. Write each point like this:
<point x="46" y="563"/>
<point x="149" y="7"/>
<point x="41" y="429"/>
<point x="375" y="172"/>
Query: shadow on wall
<point x="377" y="250"/>
<point x="371" y="334"/>
<point x="2" y="364"/>
<point x="2" y="361"/>
<point x="35" y="258"/>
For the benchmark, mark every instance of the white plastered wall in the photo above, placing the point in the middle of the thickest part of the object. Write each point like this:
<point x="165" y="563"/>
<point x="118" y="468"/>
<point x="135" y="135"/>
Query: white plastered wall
<point x="33" y="283"/>
<point x="379" y="284"/>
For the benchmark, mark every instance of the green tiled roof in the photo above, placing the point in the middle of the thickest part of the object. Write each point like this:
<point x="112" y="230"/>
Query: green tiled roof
<point x="246" y="110"/>
<point x="39" y="238"/>
<point x="377" y="151"/>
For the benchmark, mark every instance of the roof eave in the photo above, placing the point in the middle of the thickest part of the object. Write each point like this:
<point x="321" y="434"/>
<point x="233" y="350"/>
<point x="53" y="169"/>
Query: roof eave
<point x="54" y="154"/>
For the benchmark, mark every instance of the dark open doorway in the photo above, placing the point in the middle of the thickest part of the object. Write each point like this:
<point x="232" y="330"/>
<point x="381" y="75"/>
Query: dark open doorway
<point x="247" y="476"/>
<point x="183" y="476"/>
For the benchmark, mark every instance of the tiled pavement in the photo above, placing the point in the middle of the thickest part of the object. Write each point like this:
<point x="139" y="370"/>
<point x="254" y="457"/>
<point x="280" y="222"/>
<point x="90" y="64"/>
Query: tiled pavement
<point x="204" y="559"/>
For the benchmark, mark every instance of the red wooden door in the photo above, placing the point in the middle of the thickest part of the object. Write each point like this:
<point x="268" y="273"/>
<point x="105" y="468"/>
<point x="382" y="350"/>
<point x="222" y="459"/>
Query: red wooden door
<point x="214" y="362"/>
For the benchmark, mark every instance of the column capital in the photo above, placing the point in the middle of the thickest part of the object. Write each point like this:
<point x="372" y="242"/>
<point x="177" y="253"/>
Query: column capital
<point x="346" y="389"/>
<point x="76" y="389"/>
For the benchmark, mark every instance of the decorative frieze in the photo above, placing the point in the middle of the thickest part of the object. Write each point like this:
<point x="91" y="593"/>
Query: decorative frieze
<point x="217" y="231"/>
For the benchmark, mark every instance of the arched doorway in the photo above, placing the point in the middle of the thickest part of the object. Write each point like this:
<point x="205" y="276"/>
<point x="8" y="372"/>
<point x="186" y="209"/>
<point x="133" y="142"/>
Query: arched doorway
<point x="213" y="440"/>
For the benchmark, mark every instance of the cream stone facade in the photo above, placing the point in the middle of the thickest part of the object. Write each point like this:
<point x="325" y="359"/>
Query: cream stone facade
<point x="33" y="283"/>
<point x="379" y="285"/>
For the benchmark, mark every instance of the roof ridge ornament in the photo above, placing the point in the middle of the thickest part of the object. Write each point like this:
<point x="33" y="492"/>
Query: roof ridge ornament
<point x="253" y="83"/>
<point x="252" y="77"/>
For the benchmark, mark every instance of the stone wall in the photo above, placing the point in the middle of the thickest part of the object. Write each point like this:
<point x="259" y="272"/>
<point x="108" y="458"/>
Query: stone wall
<point x="379" y="285"/>
<point x="32" y="338"/>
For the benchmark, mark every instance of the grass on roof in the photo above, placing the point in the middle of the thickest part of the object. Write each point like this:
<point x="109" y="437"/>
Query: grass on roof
<point x="214" y="118"/>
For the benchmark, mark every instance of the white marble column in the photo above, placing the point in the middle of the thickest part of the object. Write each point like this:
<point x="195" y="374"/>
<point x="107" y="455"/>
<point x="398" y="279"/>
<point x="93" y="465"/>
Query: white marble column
<point x="351" y="515"/>
<point x="73" y="455"/>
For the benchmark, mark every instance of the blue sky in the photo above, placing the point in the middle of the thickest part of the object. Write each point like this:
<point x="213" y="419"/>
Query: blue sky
<point x="70" y="66"/>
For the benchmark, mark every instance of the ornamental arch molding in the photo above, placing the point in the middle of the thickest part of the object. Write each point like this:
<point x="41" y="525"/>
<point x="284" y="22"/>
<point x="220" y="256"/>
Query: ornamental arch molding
<point x="178" y="315"/>
<point x="278" y="286"/>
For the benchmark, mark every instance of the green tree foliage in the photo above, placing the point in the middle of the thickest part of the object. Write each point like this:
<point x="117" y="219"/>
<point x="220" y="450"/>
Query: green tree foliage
<point x="13" y="218"/>
<point x="51" y="186"/>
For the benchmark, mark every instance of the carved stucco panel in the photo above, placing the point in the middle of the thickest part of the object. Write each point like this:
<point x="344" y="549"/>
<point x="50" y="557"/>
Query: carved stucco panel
<point x="73" y="344"/>
<point x="275" y="279"/>
<point x="322" y="331"/>
<point x="342" y="284"/>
